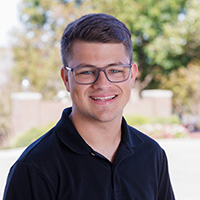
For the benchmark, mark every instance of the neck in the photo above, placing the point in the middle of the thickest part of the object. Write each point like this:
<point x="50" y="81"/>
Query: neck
<point x="103" y="137"/>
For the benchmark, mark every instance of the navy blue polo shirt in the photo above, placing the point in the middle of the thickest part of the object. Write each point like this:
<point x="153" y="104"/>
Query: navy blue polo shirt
<point x="60" y="165"/>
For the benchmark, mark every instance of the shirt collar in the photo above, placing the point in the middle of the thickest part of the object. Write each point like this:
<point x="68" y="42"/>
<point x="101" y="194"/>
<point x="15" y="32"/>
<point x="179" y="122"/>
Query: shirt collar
<point x="68" y="134"/>
<point x="130" y="136"/>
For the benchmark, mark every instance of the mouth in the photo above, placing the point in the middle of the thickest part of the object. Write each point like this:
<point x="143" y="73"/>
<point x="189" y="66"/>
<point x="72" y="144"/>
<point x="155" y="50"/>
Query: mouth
<point x="103" y="98"/>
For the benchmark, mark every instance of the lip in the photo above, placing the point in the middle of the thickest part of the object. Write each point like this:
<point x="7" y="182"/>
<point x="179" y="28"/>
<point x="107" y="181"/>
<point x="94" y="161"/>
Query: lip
<point x="103" y="99"/>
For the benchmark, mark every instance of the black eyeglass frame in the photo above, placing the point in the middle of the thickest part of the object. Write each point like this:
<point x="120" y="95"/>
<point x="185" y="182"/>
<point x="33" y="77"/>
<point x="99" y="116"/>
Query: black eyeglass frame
<point x="98" y="71"/>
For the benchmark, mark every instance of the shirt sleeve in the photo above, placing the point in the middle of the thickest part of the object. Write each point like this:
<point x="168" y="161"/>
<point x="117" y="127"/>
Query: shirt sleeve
<point x="25" y="181"/>
<point x="165" y="187"/>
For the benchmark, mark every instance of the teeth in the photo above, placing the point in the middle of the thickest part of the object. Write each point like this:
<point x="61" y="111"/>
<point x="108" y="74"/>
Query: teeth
<point x="103" y="98"/>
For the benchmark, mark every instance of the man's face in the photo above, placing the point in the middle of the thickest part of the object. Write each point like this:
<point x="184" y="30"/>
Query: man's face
<point x="103" y="101"/>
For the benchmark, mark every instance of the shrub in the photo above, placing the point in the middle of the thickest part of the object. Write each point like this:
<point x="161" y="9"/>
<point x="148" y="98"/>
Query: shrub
<point x="139" y="120"/>
<point x="30" y="136"/>
<point x="159" y="127"/>
<point x="164" y="130"/>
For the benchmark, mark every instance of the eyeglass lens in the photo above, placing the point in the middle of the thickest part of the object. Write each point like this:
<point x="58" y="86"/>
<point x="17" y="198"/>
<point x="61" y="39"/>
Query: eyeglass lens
<point x="88" y="75"/>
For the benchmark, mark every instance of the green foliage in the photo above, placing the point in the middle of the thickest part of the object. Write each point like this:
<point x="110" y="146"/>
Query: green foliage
<point x="146" y="20"/>
<point x="157" y="130"/>
<point x="179" y="43"/>
<point x="166" y="37"/>
<point x="30" y="136"/>
<point x="137" y="120"/>
<point x="185" y="82"/>
<point x="158" y="127"/>
<point x="37" y="48"/>
<point x="37" y="51"/>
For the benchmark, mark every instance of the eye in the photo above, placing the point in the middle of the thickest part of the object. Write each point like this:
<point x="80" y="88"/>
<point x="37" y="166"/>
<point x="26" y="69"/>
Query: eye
<point x="114" y="71"/>
<point x="86" y="72"/>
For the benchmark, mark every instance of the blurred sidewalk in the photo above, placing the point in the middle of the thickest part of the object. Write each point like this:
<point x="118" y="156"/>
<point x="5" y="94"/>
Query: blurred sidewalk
<point x="7" y="158"/>
<point x="184" y="166"/>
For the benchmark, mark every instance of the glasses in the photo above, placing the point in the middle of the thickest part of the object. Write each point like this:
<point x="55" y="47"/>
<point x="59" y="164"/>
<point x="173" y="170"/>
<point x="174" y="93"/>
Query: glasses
<point x="89" y="74"/>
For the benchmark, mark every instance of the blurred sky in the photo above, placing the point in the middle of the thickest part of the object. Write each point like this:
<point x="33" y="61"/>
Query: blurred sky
<point x="9" y="18"/>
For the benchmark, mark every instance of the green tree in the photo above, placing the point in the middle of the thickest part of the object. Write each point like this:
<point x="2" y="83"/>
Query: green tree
<point x="166" y="43"/>
<point x="185" y="83"/>
<point x="146" y="20"/>
<point x="37" y="47"/>
<point x="180" y="42"/>
<point x="161" y="41"/>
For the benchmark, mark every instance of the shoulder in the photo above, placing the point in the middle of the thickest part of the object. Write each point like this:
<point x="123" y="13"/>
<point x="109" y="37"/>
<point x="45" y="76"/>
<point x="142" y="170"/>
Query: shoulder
<point x="41" y="149"/>
<point x="148" y="143"/>
<point x="136" y="138"/>
<point x="48" y="146"/>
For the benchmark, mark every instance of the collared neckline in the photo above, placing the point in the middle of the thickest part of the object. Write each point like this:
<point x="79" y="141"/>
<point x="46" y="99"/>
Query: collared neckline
<point x="68" y="134"/>
<point x="129" y="142"/>
<point x="130" y="137"/>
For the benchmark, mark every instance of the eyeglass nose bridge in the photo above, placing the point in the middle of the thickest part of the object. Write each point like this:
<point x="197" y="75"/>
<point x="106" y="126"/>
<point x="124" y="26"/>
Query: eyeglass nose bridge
<point x="98" y="72"/>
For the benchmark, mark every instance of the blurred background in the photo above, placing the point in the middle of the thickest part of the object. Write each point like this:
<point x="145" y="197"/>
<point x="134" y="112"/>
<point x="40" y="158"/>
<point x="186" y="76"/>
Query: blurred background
<point x="165" y="100"/>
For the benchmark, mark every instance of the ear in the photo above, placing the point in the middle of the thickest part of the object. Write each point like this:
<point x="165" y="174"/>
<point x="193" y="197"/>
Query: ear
<point x="65" y="78"/>
<point x="134" y="71"/>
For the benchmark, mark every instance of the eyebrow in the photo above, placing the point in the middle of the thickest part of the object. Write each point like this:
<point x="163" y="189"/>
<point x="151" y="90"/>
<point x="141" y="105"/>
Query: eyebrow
<point x="117" y="63"/>
<point x="90" y="65"/>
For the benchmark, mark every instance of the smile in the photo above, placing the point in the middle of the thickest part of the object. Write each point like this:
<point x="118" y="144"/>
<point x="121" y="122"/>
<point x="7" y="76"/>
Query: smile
<point x="103" y="98"/>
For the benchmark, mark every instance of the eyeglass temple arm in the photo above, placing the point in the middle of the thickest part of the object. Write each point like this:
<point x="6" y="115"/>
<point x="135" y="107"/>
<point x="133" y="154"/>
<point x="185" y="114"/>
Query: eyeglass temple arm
<point x="68" y="68"/>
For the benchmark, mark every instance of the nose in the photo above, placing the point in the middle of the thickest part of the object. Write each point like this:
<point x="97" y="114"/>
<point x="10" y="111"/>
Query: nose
<point x="102" y="81"/>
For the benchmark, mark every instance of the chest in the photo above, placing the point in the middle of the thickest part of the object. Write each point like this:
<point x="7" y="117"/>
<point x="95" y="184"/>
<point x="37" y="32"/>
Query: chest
<point x="93" y="177"/>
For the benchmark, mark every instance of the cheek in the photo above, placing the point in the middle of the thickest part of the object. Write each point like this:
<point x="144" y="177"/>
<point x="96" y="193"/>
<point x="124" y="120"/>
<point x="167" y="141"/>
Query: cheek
<point x="127" y="89"/>
<point x="77" y="92"/>
<point x="72" y="85"/>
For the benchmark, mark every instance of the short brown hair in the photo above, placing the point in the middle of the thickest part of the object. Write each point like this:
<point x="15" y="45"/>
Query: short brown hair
<point x="100" y="28"/>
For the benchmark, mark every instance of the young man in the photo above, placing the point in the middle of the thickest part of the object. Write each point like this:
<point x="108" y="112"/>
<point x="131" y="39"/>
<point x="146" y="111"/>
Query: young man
<point x="92" y="153"/>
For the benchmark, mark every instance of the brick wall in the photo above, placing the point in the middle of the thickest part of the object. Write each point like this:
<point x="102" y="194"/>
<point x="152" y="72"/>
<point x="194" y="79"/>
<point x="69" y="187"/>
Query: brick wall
<point x="153" y="103"/>
<point x="29" y="110"/>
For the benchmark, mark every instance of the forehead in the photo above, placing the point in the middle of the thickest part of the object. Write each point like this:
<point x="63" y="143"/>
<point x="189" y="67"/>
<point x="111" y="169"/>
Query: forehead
<point x="99" y="54"/>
